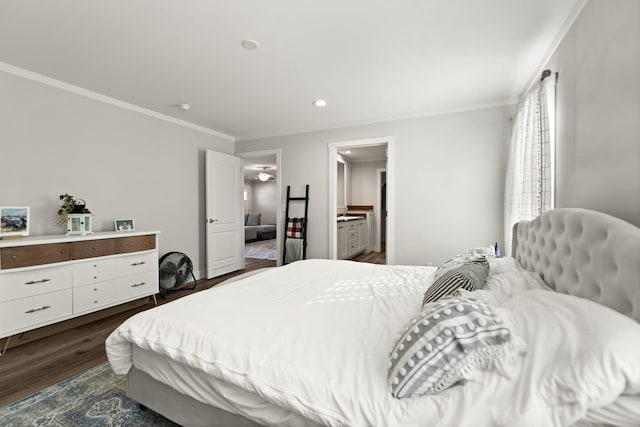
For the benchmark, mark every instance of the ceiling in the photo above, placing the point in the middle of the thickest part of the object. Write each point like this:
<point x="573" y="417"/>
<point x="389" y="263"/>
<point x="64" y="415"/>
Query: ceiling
<point x="371" y="60"/>
<point x="259" y="163"/>
<point x="365" y="154"/>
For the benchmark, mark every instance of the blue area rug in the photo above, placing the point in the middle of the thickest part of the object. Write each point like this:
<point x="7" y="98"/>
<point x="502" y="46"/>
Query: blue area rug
<point x="263" y="249"/>
<point x="94" y="397"/>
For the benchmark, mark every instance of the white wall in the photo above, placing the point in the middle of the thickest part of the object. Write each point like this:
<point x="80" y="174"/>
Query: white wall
<point x="364" y="182"/>
<point x="122" y="163"/>
<point x="598" y="110"/>
<point x="449" y="180"/>
<point x="264" y="200"/>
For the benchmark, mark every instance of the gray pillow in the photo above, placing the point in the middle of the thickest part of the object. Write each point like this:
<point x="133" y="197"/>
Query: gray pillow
<point x="469" y="276"/>
<point x="254" y="219"/>
<point x="449" y="341"/>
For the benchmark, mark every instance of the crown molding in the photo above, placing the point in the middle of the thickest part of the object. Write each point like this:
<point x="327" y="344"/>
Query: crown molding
<point x="378" y="120"/>
<point x="30" y="75"/>
<point x="564" y="29"/>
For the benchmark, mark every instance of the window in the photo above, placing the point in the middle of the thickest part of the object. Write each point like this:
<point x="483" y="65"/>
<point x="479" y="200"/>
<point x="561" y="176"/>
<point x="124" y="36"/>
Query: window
<point x="530" y="181"/>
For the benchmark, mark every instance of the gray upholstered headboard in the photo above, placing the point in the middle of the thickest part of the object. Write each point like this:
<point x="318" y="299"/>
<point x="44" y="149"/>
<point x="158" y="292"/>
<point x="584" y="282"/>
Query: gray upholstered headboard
<point x="584" y="253"/>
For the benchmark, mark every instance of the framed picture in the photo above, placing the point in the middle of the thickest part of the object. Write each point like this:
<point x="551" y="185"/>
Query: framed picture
<point x="14" y="221"/>
<point x="124" y="225"/>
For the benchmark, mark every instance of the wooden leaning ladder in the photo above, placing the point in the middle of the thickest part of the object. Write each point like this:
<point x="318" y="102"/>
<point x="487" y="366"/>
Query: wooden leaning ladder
<point x="305" y="199"/>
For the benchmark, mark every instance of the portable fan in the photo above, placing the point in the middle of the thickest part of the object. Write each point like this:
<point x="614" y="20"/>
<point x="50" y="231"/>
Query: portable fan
<point x="175" y="270"/>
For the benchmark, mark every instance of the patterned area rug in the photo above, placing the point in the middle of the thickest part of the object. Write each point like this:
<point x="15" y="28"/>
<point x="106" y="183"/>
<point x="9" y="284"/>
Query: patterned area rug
<point x="263" y="249"/>
<point x="94" y="397"/>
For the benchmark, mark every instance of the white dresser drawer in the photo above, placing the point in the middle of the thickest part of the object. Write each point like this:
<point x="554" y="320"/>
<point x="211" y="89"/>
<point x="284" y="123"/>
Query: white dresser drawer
<point x="34" y="282"/>
<point x="138" y="285"/>
<point x="29" y="313"/>
<point x="136" y="264"/>
<point x="95" y="296"/>
<point x="94" y="271"/>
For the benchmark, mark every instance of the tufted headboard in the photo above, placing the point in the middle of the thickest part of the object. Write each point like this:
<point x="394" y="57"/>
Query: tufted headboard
<point x="583" y="253"/>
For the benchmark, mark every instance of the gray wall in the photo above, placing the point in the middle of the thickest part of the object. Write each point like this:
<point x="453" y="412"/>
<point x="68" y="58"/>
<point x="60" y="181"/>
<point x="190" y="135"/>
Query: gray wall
<point x="264" y="200"/>
<point x="122" y="163"/>
<point x="598" y="139"/>
<point x="363" y="182"/>
<point x="449" y="180"/>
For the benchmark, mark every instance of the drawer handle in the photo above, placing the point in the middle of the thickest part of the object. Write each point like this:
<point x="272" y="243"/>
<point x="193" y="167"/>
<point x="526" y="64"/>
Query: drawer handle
<point x="35" y="282"/>
<point x="33" y="310"/>
<point x="135" y="285"/>
<point x="138" y="263"/>
<point x="14" y="257"/>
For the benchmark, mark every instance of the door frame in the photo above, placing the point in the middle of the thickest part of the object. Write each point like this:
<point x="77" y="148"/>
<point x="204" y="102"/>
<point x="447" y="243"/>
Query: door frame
<point x="389" y="141"/>
<point x="279" y="204"/>
<point x="377" y="210"/>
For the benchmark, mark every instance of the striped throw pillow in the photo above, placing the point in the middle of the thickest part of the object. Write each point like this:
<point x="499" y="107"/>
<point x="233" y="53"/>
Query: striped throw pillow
<point x="469" y="276"/>
<point x="449" y="341"/>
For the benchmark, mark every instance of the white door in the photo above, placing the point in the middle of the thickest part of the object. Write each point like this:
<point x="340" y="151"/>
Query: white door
<point x="225" y="225"/>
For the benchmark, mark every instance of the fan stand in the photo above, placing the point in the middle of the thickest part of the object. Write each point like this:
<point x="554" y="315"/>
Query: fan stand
<point x="163" y="292"/>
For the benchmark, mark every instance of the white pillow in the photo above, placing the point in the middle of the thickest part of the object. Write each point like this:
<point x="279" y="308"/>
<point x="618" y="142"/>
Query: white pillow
<point x="582" y="355"/>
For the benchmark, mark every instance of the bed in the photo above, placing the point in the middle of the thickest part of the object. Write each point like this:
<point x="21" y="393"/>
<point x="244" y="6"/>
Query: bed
<point x="315" y="342"/>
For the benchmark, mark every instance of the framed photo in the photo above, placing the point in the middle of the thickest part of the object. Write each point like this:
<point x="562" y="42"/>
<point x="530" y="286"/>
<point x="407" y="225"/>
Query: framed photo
<point x="14" y="221"/>
<point x="124" y="225"/>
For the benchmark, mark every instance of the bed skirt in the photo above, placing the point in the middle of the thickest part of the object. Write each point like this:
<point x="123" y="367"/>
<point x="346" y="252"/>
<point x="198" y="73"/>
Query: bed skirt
<point x="178" y="407"/>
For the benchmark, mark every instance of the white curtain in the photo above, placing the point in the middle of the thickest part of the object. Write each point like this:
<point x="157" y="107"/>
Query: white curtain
<point x="529" y="183"/>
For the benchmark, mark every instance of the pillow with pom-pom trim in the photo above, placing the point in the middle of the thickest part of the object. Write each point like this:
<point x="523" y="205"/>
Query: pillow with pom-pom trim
<point x="448" y="342"/>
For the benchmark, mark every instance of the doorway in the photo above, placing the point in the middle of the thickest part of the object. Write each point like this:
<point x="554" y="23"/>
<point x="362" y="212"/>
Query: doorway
<point x="262" y="207"/>
<point x="381" y="213"/>
<point x="371" y="193"/>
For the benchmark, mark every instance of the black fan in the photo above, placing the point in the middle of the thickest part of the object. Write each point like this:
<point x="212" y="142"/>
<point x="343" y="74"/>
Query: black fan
<point x="175" y="269"/>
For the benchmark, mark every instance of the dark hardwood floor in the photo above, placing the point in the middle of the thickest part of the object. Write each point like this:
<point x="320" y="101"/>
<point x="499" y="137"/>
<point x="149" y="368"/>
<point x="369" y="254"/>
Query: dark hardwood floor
<point x="30" y="367"/>
<point x="373" y="257"/>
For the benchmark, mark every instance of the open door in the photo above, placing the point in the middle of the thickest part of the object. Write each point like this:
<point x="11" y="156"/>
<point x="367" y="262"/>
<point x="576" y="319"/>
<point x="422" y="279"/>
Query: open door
<point x="225" y="225"/>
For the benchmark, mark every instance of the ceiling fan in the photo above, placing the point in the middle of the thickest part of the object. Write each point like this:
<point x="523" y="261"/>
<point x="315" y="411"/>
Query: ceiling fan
<point x="264" y="176"/>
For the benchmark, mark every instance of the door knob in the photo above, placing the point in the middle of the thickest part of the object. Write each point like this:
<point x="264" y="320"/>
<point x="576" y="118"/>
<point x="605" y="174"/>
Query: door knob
<point x="212" y="220"/>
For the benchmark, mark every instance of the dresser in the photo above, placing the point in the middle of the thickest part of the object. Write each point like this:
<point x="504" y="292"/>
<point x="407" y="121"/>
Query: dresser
<point x="48" y="279"/>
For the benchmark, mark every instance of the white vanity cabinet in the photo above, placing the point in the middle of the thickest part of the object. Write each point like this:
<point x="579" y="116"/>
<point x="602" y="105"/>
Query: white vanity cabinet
<point x="353" y="237"/>
<point x="343" y="248"/>
<point x="44" y="280"/>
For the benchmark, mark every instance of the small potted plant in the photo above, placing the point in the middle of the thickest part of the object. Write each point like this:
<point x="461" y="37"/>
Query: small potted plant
<point x="68" y="203"/>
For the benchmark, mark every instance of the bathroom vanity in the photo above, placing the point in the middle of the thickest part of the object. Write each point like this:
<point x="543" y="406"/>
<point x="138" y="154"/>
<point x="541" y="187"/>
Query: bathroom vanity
<point x="353" y="236"/>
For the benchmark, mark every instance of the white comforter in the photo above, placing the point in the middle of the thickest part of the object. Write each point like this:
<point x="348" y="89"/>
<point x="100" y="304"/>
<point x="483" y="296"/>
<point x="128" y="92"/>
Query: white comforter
<point x="314" y="337"/>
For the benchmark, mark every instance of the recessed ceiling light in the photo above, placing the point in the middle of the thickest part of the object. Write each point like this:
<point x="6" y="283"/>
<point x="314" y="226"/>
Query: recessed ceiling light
<point x="250" y="44"/>
<point x="184" y="106"/>
<point x="347" y="152"/>
<point x="320" y="103"/>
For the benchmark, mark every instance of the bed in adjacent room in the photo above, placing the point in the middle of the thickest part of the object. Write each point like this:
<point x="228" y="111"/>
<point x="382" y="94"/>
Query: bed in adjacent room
<point x="549" y="337"/>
